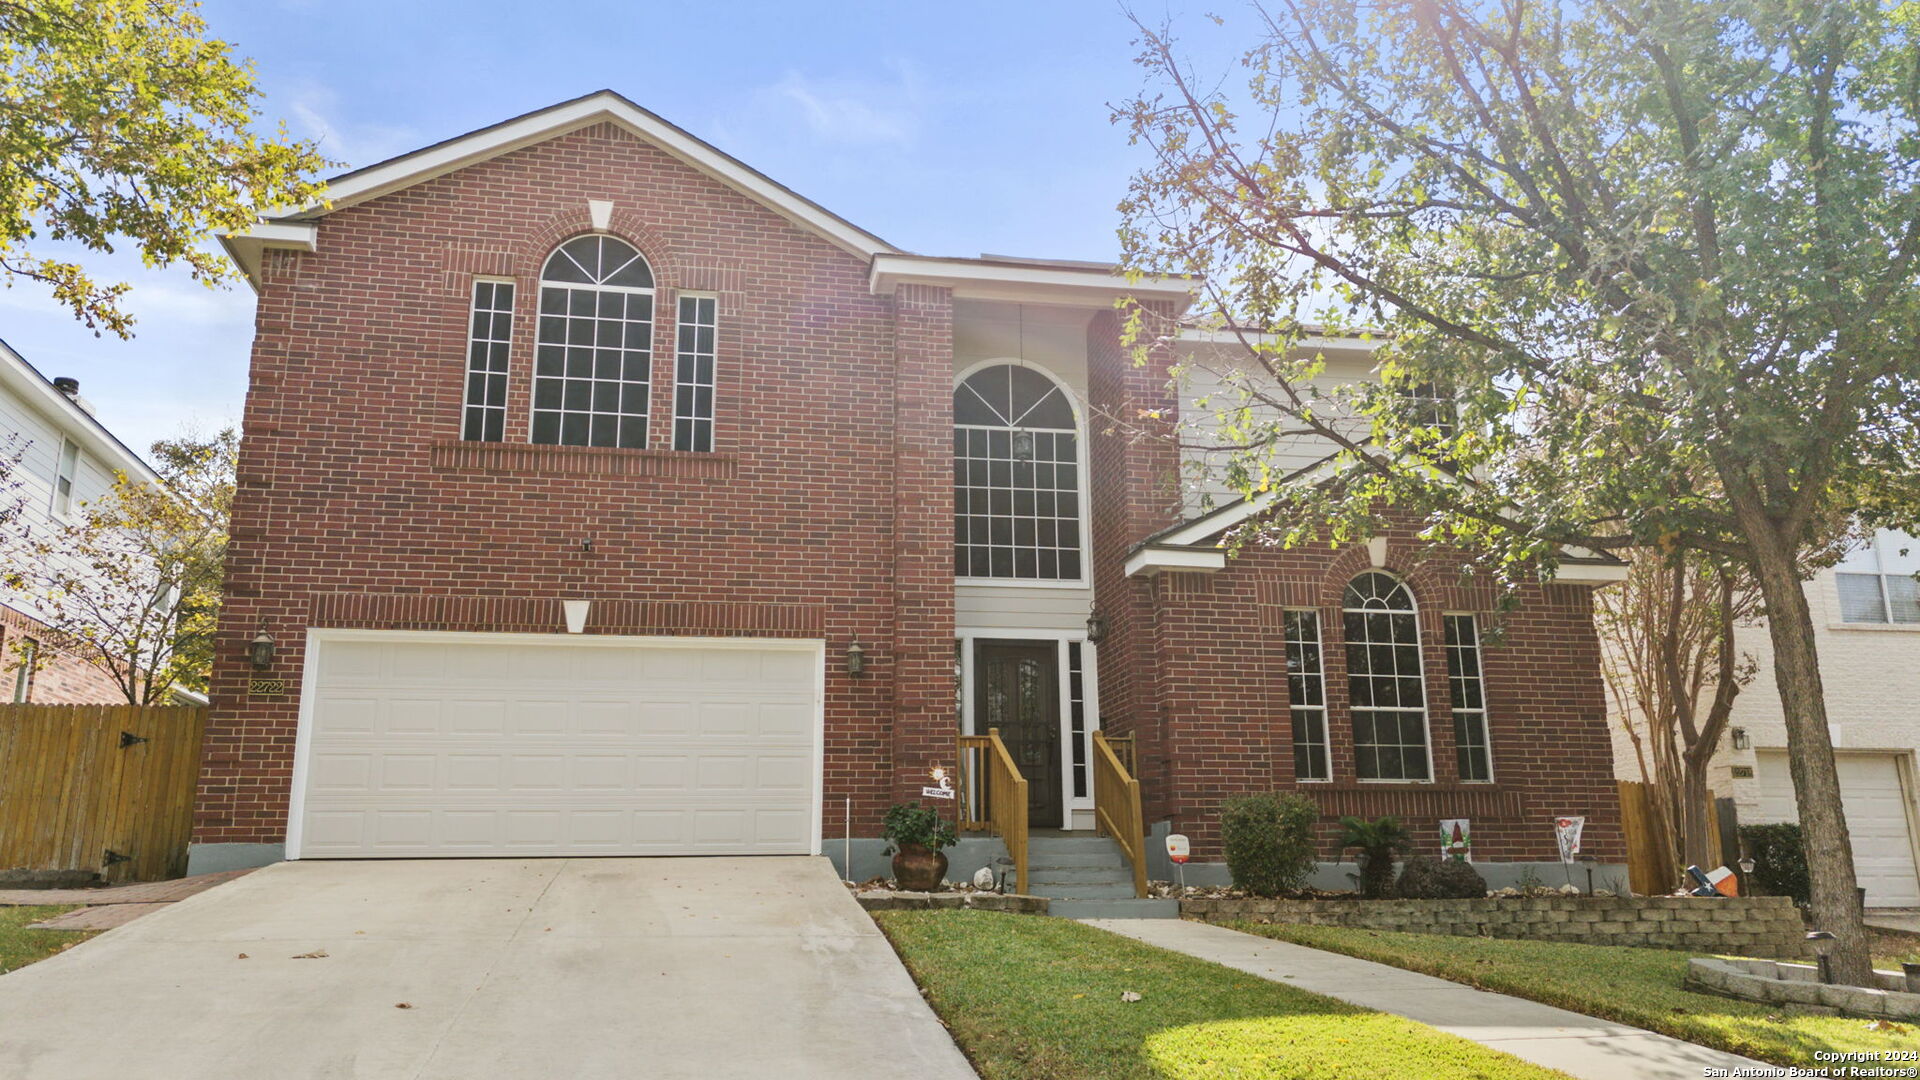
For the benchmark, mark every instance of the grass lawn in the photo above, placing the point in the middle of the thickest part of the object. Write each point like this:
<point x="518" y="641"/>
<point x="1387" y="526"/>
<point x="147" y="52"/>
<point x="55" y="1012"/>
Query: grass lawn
<point x="20" y="946"/>
<point x="1634" y="986"/>
<point x="1033" y="998"/>
<point x="1891" y="948"/>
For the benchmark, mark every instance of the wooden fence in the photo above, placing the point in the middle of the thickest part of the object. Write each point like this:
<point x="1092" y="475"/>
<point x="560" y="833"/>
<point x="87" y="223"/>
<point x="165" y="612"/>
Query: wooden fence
<point x="106" y="789"/>
<point x="1653" y="866"/>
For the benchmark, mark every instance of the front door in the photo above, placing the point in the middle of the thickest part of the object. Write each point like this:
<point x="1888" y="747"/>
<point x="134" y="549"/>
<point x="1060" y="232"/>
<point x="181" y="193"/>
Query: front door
<point x="1017" y="689"/>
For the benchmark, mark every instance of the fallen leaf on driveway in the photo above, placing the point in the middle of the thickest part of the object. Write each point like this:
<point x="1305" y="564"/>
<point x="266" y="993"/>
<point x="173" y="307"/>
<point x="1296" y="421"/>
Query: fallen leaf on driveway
<point x="403" y="1004"/>
<point x="242" y="956"/>
<point x="1129" y="996"/>
<point x="317" y="954"/>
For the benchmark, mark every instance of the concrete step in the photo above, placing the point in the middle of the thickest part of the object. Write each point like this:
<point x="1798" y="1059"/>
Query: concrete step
<point x="1165" y="908"/>
<point x="1081" y="890"/>
<point x="1037" y="859"/>
<point x="1087" y="843"/>
<point x="1061" y="875"/>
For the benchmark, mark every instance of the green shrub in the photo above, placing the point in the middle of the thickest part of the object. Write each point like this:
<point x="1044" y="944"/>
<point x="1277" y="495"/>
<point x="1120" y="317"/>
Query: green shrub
<point x="911" y="823"/>
<point x="1424" y="878"/>
<point x="1269" y="841"/>
<point x="1379" y="841"/>
<point x="1779" y="859"/>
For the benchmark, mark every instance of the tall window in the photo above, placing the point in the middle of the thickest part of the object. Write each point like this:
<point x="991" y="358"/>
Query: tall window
<point x="1016" y="483"/>
<point x="693" y="374"/>
<point x="1077" y="716"/>
<point x="1876" y="583"/>
<point x="595" y="346"/>
<point x="1384" y="681"/>
<point x="28" y="656"/>
<point x="64" y="471"/>
<point x="1307" y="696"/>
<point x="488" y="334"/>
<point x="1468" y="690"/>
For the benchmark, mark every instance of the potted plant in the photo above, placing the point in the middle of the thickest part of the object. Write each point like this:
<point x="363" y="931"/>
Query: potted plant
<point x="915" y="834"/>
<point x="1379" y="841"/>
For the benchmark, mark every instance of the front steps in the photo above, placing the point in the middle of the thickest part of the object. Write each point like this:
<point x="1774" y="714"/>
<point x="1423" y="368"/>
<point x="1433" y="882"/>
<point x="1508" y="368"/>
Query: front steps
<point x="1087" y="877"/>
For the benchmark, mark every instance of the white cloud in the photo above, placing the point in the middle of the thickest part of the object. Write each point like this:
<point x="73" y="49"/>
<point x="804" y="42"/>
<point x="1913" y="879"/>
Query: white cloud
<point x="854" y="112"/>
<point x="312" y="109"/>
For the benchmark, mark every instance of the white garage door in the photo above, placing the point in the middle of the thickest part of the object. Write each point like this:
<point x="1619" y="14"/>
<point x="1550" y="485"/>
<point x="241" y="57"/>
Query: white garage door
<point x="489" y="744"/>
<point x="1875" y="804"/>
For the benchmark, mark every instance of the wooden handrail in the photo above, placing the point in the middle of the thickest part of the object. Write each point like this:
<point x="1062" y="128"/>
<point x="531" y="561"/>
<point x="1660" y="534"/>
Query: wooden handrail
<point x="993" y="796"/>
<point x="1116" y="808"/>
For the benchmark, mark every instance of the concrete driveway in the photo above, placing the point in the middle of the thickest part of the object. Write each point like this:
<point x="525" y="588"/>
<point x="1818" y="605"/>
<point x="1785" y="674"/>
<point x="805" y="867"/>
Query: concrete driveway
<point x="577" y="968"/>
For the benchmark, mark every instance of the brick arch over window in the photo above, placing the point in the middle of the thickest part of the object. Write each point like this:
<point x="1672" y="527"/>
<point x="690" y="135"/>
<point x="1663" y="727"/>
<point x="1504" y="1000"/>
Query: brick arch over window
<point x="665" y="258"/>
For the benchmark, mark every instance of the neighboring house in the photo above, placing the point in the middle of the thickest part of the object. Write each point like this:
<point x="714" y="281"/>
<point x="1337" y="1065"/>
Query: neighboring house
<point x="599" y="495"/>
<point x="1866" y="614"/>
<point x="66" y="460"/>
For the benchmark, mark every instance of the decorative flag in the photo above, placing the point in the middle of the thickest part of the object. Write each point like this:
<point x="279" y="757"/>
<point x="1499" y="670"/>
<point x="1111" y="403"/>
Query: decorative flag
<point x="1456" y="839"/>
<point x="1567" y="831"/>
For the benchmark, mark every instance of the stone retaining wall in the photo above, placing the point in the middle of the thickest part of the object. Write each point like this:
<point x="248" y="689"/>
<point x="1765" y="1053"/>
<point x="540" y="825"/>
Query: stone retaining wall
<point x="1012" y="903"/>
<point x="1766" y="926"/>
<point x="1799" y="984"/>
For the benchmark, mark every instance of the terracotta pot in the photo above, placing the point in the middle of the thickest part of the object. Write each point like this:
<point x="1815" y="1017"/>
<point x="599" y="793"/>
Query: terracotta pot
<point x="918" y="868"/>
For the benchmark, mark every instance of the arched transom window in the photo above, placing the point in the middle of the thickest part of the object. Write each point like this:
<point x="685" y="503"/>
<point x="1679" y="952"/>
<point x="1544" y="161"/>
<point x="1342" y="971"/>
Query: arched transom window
<point x="595" y="346"/>
<point x="1016" y="477"/>
<point x="1385" y="686"/>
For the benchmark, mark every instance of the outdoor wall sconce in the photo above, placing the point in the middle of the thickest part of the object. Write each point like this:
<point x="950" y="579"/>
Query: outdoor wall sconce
<point x="1096" y="626"/>
<point x="856" y="659"/>
<point x="260" y="650"/>
<point x="1741" y="740"/>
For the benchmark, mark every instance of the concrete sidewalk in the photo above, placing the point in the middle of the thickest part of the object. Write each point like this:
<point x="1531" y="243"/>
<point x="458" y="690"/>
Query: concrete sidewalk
<point x="1578" y="1045"/>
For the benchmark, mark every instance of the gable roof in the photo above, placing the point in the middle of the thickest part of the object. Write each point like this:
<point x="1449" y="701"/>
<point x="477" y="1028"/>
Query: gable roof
<point x="26" y="382"/>
<point x="294" y="229"/>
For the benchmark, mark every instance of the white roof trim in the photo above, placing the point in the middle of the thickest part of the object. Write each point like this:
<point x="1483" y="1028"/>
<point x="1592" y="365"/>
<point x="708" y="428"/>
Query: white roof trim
<point x="1194" y="335"/>
<point x="25" y="382"/>
<point x="985" y="279"/>
<point x="536" y="127"/>
<point x="1153" y="560"/>
<point x="246" y="247"/>
<point x="1590" y="573"/>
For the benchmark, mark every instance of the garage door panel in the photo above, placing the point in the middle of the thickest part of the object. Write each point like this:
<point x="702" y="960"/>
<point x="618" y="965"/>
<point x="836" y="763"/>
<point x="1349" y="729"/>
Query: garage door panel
<point x="1874" y="801"/>
<point x="475" y="748"/>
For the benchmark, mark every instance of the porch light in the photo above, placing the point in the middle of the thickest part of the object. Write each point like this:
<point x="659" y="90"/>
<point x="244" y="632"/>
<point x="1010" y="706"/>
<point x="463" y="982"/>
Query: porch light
<point x="1096" y="626"/>
<point x="1023" y="446"/>
<point x="1741" y="740"/>
<point x="856" y="659"/>
<point x="260" y="650"/>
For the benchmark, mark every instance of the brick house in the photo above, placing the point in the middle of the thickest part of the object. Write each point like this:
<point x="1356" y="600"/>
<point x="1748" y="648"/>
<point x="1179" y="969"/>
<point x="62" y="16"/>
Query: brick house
<point x="602" y="496"/>
<point x="62" y="458"/>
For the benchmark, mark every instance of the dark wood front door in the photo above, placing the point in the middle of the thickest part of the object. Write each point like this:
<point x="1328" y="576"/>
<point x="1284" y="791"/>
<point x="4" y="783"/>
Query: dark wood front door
<point x="1017" y="689"/>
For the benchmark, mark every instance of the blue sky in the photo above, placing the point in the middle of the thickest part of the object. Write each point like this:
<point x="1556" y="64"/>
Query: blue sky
<point x="949" y="129"/>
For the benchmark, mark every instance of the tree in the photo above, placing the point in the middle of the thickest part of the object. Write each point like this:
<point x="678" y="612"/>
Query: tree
<point x="1675" y="668"/>
<point x="1657" y="257"/>
<point x="131" y="584"/>
<point x="123" y="121"/>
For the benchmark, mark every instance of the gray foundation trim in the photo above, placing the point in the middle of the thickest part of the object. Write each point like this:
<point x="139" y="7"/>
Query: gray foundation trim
<point x="870" y="858"/>
<point x="214" y="858"/>
<point x="1343" y="876"/>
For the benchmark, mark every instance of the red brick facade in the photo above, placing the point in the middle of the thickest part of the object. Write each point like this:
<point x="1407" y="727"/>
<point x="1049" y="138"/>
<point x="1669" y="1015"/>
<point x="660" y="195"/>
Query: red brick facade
<point x="58" y="678"/>
<point x="824" y="511"/>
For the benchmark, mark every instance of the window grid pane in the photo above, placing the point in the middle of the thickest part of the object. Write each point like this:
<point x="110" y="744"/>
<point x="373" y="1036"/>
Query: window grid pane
<point x="490" y="329"/>
<point x="693" y="374"/>
<point x="1468" y="689"/>
<point x="1385" y="684"/>
<point x="1077" y="711"/>
<point x="592" y="368"/>
<point x="1307" y="696"/>
<point x="1016" y="504"/>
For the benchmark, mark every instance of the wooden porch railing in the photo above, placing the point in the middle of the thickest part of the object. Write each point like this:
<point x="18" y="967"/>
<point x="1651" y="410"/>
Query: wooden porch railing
<point x="993" y="796"/>
<point x="1116" y="806"/>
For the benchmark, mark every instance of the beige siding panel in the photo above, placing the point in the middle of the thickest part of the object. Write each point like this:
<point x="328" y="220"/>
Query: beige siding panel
<point x="978" y="607"/>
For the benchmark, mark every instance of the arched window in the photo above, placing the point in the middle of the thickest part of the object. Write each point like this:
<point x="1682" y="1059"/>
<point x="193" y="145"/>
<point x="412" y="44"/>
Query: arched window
<point x="1386" y="687"/>
<point x="1016" y="477"/>
<point x="595" y="346"/>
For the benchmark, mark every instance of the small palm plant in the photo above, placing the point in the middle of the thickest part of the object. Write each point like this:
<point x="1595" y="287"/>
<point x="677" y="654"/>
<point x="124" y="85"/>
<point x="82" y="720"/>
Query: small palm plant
<point x="1379" y="841"/>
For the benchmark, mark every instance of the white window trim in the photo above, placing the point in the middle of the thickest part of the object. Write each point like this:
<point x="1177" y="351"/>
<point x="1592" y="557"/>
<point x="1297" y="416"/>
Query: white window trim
<point x="1426" y="692"/>
<point x="61" y="504"/>
<point x="513" y="322"/>
<point x="1485" y="711"/>
<point x="541" y="284"/>
<point x="1085" y="580"/>
<point x="713" y="421"/>
<point x="1090" y="686"/>
<point x="1326" y="717"/>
